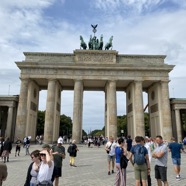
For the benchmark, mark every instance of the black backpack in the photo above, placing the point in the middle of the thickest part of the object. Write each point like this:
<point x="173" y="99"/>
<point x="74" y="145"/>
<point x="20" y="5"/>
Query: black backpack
<point x="70" y="149"/>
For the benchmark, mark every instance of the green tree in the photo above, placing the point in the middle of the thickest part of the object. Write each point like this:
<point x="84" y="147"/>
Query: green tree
<point x="122" y="125"/>
<point x="40" y="122"/>
<point x="65" y="125"/>
<point x="147" y="124"/>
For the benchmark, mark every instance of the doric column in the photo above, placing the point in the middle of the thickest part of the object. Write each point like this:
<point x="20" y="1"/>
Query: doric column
<point x="138" y="109"/>
<point x="9" y="122"/>
<point x="178" y="125"/>
<point x="22" y="110"/>
<point x="77" y="111"/>
<point x="50" y="110"/>
<point x="165" y="109"/>
<point x="111" y="109"/>
<point x="105" y="118"/>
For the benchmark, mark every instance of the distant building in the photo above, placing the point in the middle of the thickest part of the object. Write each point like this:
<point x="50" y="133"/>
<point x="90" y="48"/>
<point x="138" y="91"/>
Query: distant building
<point x="8" y="114"/>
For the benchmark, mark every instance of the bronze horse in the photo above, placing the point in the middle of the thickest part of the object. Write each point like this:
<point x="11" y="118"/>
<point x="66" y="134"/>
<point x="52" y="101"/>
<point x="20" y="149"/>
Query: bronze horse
<point x="109" y="44"/>
<point x="83" y="44"/>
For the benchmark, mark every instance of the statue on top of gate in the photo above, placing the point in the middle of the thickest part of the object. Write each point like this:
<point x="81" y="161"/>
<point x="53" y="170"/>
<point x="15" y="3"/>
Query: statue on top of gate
<point x="95" y="43"/>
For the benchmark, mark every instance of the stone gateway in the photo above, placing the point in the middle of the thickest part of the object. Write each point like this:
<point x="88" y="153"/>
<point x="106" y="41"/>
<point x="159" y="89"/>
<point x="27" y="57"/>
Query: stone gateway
<point x="102" y="70"/>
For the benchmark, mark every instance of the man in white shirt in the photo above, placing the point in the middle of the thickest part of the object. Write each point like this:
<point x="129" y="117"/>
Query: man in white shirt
<point x="110" y="149"/>
<point x="60" y="140"/>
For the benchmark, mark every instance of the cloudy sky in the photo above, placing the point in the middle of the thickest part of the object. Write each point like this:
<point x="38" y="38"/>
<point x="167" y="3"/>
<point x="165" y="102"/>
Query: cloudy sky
<point x="138" y="26"/>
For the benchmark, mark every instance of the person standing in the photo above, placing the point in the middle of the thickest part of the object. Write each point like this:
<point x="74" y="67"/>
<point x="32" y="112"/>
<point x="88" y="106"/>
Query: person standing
<point x="27" y="146"/>
<point x="120" y="172"/>
<point x="58" y="152"/>
<point x="7" y="149"/>
<point x="176" y="149"/>
<point x="72" y="150"/>
<point x="1" y="146"/>
<point x="129" y="143"/>
<point x="110" y="149"/>
<point x="141" y="161"/>
<point x="46" y="169"/>
<point x="161" y="156"/>
<point x="18" y="146"/>
<point x="3" y="173"/>
<point x="33" y="169"/>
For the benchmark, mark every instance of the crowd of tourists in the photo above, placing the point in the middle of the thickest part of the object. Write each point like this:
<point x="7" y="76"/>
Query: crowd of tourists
<point x="140" y="153"/>
<point x="46" y="166"/>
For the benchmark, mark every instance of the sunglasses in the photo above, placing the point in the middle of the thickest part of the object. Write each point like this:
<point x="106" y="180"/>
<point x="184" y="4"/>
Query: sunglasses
<point x="42" y="154"/>
<point x="32" y="157"/>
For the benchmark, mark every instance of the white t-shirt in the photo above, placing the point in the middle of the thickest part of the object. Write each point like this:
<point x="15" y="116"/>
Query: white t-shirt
<point x="45" y="172"/>
<point x="148" y="147"/>
<point x="112" y="148"/>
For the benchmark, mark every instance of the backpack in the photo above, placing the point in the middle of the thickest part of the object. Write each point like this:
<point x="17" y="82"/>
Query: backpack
<point x="70" y="149"/>
<point x="139" y="157"/>
<point x="123" y="161"/>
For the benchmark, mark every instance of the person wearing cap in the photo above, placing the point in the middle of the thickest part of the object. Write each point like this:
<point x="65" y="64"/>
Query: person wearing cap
<point x="176" y="149"/>
<point x="46" y="168"/>
<point x="58" y="152"/>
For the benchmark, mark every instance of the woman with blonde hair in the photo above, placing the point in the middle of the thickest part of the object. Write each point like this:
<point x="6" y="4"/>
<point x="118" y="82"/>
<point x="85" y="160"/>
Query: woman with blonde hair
<point x="72" y="150"/>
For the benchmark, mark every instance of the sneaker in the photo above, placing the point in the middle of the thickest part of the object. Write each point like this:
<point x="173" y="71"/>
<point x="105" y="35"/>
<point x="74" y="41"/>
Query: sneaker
<point x="178" y="177"/>
<point x="108" y="172"/>
<point x="112" y="171"/>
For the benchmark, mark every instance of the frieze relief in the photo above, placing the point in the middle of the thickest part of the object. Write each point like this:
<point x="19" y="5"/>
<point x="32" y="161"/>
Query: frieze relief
<point x="95" y="58"/>
<point x="85" y="72"/>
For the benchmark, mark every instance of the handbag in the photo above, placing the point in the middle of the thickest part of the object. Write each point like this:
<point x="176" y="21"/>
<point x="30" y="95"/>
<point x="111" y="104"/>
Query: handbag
<point x="123" y="161"/>
<point x="109" y="149"/>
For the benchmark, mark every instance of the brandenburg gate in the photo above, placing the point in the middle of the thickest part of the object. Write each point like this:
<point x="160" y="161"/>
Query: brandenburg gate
<point x="98" y="70"/>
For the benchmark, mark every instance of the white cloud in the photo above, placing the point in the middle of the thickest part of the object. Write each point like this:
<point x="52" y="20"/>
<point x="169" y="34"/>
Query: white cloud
<point x="137" y="28"/>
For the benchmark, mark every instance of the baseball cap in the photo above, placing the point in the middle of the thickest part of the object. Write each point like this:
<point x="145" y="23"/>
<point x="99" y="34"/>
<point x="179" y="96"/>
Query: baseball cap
<point x="46" y="146"/>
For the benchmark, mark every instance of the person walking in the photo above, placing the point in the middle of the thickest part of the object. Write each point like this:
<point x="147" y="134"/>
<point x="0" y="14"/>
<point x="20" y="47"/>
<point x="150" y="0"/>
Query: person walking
<point x="58" y="152"/>
<point x="120" y="179"/>
<point x="18" y="146"/>
<point x="3" y="173"/>
<point x="176" y="149"/>
<point x="6" y="150"/>
<point x="161" y="156"/>
<point x="110" y="149"/>
<point x="33" y="169"/>
<point x="141" y="161"/>
<point x="72" y="150"/>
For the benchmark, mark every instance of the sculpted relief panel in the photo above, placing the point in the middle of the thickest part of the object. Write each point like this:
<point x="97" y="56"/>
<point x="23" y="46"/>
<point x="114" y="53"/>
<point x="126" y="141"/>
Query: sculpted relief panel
<point x="95" y="58"/>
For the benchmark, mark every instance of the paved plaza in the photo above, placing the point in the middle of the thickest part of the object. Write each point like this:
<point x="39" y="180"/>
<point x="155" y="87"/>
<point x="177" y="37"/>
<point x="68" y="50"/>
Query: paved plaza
<point x="91" y="169"/>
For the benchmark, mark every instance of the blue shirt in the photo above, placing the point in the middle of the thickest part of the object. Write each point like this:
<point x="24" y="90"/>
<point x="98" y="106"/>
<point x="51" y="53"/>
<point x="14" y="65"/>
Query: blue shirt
<point x="118" y="152"/>
<point x="175" y="149"/>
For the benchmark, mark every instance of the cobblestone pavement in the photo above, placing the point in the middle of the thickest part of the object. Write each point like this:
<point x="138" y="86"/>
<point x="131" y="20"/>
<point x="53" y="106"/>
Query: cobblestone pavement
<point x="91" y="169"/>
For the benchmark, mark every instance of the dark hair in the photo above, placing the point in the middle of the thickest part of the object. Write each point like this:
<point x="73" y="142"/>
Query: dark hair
<point x="35" y="153"/>
<point x="120" y="141"/>
<point x="129" y="136"/>
<point x="142" y="138"/>
<point x="138" y="139"/>
<point x="160" y="137"/>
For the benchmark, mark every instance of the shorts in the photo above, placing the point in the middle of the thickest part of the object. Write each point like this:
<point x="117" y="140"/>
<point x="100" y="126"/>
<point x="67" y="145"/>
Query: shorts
<point x="57" y="172"/>
<point x="111" y="158"/>
<point x="160" y="173"/>
<point x="140" y="171"/>
<point x="176" y="161"/>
